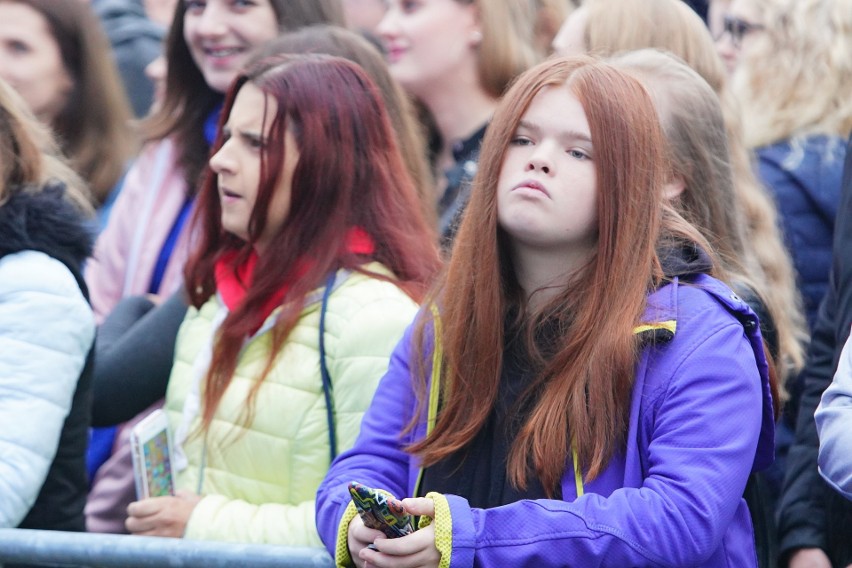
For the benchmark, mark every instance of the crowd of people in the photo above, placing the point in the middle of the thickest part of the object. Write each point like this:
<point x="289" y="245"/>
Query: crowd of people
<point x="569" y="278"/>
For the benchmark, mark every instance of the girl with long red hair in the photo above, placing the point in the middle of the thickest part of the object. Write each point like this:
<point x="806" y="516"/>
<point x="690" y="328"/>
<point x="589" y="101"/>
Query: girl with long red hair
<point x="313" y="252"/>
<point x="582" y="389"/>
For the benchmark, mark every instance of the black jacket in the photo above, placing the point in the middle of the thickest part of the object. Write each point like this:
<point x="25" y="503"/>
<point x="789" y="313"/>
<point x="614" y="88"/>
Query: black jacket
<point x="811" y="515"/>
<point x="47" y="223"/>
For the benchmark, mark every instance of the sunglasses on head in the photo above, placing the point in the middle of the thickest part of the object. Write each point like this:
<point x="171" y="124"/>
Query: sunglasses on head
<point x="739" y="28"/>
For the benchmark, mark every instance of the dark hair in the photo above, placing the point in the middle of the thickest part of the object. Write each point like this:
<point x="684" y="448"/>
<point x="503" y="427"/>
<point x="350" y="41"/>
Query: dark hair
<point x="586" y="383"/>
<point x="93" y="127"/>
<point x="350" y="175"/>
<point x="188" y="100"/>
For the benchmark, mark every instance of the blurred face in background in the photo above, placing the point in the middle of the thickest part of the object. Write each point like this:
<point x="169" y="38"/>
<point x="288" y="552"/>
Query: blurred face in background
<point x="160" y="11"/>
<point x="30" y="60"/>
<point x="430" y="42"/>
<point x="221" y="35"/>
<point x="364" y="14"/>
<point x="741" y="25"/>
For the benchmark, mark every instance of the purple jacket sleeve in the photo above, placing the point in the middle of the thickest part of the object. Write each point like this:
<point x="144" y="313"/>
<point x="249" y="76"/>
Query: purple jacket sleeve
<point x="377" y="458"/>
<point x="701" y="421"/>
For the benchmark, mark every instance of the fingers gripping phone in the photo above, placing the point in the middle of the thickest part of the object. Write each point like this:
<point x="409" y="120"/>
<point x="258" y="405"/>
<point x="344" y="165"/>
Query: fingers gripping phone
<point x="380" y="511"/>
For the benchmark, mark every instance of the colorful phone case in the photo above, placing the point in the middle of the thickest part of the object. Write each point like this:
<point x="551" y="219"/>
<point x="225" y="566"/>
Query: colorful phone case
<point x="381" y="512"/>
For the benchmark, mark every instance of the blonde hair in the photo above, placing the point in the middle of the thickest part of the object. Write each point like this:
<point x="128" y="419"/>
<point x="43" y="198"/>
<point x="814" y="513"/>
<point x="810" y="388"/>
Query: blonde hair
<point x="507" y="48"/>
<point x="624" y="25"/>
<point x="807" y="89"/>
<point x="549" y="17"/>
<point x="672" y="26"/>
<point x="30" y="157"/>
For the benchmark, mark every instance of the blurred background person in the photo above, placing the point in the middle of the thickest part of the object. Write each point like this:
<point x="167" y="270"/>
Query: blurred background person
<point x="46" y="327"/>
<point x="135" y="29"/>
<point x="55" y="54"/>
<point x="364" y="15"/>
<point x="456" y="57"/>
<point x="793" y="76"/>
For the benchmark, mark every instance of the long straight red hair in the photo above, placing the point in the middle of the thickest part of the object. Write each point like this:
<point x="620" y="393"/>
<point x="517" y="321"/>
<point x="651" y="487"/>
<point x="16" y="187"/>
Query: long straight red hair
<point x="582" y="394"/>
<point x="350" y="174"/>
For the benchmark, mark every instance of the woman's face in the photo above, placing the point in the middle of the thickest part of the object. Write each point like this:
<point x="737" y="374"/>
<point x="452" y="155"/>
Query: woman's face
<point x="30" y="60"/>
<point x="364" y="14"/>
<point x="571" y="37"/>
<point x="237" y="165"/>
<point x="547" y="190"/>
<point x="430" y="43"/>
<point x="221" y="35"/>
<point x="740" y="27"/>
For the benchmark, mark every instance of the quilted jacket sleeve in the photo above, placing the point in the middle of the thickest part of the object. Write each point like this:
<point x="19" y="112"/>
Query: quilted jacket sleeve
<point x="46" y="332"/>
<point x="361" y="333"/>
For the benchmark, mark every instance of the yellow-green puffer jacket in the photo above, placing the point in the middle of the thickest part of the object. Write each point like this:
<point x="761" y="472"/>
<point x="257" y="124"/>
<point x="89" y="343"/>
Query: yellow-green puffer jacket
<point x="259" y="481"/>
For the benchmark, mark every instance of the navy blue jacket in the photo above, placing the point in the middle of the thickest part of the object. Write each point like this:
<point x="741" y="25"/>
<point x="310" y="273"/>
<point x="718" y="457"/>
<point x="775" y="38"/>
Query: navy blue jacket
<point x="804" y="176"/>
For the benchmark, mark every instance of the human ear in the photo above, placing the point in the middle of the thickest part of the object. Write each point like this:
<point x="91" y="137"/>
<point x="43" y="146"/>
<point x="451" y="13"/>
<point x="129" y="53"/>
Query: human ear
<point x="674" y="188"/>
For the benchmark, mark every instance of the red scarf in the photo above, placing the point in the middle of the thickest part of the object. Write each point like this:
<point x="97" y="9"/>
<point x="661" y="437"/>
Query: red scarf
<point x="233" y="281"/>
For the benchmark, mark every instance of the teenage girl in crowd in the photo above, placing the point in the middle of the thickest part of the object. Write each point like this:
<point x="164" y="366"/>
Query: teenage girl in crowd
<point x="293" y="319"/>
<point x="46" y="328"/>
<point x="599" y="27"/>
<point x="578" y="323"/>
<point x="56" y="55"/>
<point x="145" y="246"/>
<point x="136" y="342"/>
<point x="456" y="57"/>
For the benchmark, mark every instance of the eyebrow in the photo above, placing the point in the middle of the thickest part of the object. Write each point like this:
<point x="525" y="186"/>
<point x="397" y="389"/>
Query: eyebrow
<point x="572" y="135"/>
<point x="251" y="136"/>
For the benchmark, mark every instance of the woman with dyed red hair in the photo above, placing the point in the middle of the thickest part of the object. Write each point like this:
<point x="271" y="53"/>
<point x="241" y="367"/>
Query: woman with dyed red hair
<point x="313" y="251"/>
<point x="584" y="390"/>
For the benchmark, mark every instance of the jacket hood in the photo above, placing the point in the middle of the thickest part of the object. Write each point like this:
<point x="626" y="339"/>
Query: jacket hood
<point x="45" y="221"/>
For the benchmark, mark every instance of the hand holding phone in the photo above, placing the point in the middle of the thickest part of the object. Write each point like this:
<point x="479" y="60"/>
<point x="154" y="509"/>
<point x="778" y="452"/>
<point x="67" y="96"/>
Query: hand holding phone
<point x="380" y="511"/>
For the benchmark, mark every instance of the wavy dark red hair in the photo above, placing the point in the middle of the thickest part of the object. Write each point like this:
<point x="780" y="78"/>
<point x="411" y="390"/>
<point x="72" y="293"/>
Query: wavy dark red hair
<point x="350" y="174"/>
<point x="582" y="393"/>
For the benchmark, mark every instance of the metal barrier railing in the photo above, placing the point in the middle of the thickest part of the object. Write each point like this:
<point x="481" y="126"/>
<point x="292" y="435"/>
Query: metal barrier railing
<point x="109" y="550"/>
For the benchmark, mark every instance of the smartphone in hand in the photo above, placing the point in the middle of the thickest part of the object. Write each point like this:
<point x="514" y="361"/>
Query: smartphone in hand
<point x="380" y="511"/>
<point x="151" y="452"/>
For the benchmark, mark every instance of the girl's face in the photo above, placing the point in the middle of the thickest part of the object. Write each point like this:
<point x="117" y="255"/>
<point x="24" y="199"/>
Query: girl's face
<point x="430" y="42"/>
<point x="364" y="14"/>
<point x="221" y="35"/>
<point x="547" y="190"/>
<point x="30" y="60"/>
<point x="237" y="165"/>
<point x="741" y="25"/>
<point x="571" y="37"/>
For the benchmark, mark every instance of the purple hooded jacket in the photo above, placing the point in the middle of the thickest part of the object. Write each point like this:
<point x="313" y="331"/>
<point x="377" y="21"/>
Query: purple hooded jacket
<point x="701" y="421"/>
